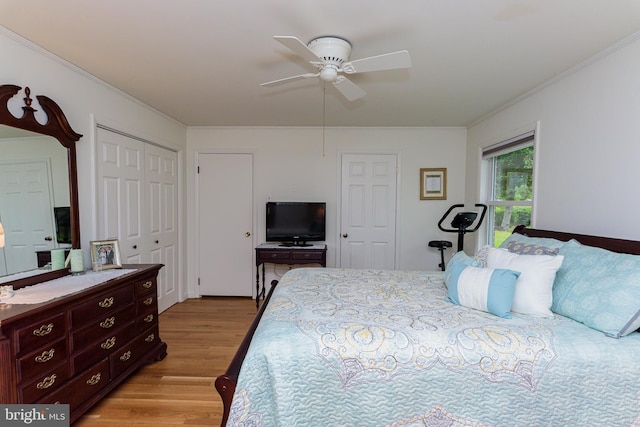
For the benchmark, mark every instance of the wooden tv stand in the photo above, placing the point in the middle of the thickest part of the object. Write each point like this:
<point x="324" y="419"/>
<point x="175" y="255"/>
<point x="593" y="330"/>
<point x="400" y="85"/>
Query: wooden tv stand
<point x="77" y="348"/>
<point x="275" y="253"/>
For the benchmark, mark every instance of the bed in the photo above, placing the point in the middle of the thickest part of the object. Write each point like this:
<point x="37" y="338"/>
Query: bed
<point x="341" y="347"/>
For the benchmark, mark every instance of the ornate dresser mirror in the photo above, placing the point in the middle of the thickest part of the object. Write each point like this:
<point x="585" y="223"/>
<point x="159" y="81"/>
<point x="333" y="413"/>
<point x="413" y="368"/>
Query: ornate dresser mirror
<point x="55" y="131"/>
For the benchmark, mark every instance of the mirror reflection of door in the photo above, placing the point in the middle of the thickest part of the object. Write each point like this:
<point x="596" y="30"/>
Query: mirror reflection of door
<point x="33" y="180"/>
<point x="25" y="206"/>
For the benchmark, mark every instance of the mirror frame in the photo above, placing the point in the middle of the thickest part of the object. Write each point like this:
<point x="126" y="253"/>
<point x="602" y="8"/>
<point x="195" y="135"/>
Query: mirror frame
<point x="58" y="127"/>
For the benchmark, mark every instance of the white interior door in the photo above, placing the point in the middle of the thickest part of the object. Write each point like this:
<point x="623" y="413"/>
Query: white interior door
<point x="26" y="213"/>
<point x="225" y="212"/>
<point x="368" y="211"/>
<point x="138" y="205"/>
<point x="162" y="220"/>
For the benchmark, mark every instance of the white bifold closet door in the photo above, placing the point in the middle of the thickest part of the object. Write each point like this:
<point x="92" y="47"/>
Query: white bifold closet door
<point x="138" y="205"/>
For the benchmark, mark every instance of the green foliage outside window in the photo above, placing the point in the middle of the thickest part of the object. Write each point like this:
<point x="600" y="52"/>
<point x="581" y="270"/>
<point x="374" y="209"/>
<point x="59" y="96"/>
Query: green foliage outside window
<point x="513" y="181"/>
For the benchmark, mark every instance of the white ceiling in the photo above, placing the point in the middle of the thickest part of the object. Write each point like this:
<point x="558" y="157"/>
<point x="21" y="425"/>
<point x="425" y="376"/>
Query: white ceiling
<point x="201" y="61"/>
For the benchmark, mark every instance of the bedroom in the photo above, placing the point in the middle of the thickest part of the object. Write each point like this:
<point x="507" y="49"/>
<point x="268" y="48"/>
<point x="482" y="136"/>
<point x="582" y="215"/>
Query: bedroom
<point x="587" y="120"/>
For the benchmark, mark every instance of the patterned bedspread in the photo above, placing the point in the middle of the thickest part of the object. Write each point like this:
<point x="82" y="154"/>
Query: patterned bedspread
<point x="340" y="347"/>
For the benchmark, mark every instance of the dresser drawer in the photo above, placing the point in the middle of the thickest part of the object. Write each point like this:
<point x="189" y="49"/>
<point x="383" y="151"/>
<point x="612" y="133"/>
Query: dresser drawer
<point x="279" y="255"/>
<point x="82" y="387"/>
<point x="40" y="333"/>
<point x="41" y="361"/>
<point x="46" y="383"/>
<point x="131" y="352"/>
<point x="102" y="305"/>
<point x="146" y="320"/>
<point x="144" y="286"/>
<point x="101" y="327"/>
<point x="146" y="303"/>
<point x="303" y="255"/>
<point x="102" y="348"/>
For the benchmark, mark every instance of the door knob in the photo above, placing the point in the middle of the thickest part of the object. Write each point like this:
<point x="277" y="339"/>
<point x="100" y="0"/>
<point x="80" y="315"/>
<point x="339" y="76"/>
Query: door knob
<point x="157" y="241"/>
<point x="345" y="235"/>
<point x="247" y="234"/>
<point x="135" y="246"/>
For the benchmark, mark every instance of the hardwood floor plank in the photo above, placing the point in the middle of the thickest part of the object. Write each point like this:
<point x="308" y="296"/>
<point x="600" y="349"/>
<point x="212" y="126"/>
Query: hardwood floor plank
<point x="202" y="336"/>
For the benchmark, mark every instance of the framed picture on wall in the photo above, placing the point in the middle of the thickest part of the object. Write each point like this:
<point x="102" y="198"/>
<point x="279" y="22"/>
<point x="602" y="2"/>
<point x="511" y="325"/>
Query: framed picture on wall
<point x="433" y="183"/>
<point x="105" y="254"/>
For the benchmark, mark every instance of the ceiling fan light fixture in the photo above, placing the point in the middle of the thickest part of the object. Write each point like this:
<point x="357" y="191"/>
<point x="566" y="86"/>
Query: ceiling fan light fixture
<point x="329" y="73"/>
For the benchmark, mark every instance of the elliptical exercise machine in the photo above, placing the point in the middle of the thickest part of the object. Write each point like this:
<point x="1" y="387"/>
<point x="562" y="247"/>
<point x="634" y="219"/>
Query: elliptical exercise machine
<point x="460" y="224"/>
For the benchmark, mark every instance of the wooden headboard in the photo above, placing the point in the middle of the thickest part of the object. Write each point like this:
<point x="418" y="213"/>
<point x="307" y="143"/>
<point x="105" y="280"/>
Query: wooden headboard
<point x="615" y="245"/>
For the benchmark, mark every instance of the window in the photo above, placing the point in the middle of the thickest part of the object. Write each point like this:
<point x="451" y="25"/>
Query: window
<point x="509" y="185"/>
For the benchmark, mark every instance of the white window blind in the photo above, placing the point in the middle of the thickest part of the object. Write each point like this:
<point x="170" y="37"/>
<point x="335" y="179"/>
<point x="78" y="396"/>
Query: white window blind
<point x="509" y="145"/>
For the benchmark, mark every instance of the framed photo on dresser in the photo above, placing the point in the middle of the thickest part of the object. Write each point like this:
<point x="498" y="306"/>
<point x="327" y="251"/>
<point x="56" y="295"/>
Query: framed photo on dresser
<point x="105" y="254"/>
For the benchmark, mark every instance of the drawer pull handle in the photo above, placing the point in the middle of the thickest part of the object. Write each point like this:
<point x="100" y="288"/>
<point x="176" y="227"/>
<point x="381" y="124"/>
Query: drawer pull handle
<point x="108" y="343"/>
<point x="126" y="356"/>
<point x="106" y="303"/>
<point x="108" y="322"/>
<point x="148" y="301"/>
<point x="94" y="379"/>
<point x="47" y="382"/>
<point x="307" y="255"/>
<point x="274" y="255"/>
<point x="150" y="338"/>
<point x="147" y="284"/>
<point x="148" y="318"/>
<point x="43" y="330"/>
<point x="45" y="356"/>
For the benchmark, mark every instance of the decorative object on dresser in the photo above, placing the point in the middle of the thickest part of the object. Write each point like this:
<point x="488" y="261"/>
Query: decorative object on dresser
<point x="58" y="127"/>
<point x="75" y="349"/>
<point x="105" y="254"/>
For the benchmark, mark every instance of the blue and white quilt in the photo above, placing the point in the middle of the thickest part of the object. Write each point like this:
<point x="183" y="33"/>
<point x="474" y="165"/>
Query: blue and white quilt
<point x="343" y="347"/>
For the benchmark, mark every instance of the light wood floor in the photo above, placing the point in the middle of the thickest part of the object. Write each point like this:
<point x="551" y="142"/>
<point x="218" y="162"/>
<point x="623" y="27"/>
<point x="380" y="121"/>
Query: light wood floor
<point x="202" y="336"/>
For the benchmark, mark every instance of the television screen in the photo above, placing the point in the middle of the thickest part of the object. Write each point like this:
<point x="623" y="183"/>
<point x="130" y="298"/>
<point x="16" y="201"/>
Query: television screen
<point x="295" y="223"/>
<point x="63" y="224"/>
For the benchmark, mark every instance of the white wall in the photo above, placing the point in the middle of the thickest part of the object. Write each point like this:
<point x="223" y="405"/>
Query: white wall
<point x="85" y="101"/>
<point x="295" y="164"/>
<point x="588" y="166"/>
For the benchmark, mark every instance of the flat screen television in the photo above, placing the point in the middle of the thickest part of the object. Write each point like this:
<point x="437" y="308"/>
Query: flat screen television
<point x="296" y="223"/>
<point x="62" y="217"/>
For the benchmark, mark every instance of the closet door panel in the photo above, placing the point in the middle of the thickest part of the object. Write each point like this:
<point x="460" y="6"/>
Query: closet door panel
<point x="162" y="229"/>
<point x="120" y="183"/>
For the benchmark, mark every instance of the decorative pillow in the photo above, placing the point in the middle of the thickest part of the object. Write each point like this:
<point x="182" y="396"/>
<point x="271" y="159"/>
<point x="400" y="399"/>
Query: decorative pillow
<point x="541" y="241"/>
<point x="462" y="258"/>
<point x="527" y="249"/>
<point x="599" y="288"/>
<point x="485" y="289"/>
<point x="533" y="294"/>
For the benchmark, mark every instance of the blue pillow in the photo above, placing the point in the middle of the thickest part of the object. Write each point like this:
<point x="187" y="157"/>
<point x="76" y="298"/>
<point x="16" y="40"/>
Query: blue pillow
<point x="485" y="289"/>
<point x="462" y="258"/>
<point x="599" y="288"/>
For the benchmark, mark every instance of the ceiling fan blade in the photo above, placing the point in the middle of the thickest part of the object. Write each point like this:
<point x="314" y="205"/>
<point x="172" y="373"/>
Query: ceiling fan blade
<point x="289" y="79"/>
<point x="387" y="61"/>
<point x="298" y="47"/>
<point x="348" y="89"/>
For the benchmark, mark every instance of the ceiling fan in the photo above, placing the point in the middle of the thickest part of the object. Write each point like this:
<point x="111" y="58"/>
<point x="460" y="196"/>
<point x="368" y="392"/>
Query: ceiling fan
<point x="330" y="55"/>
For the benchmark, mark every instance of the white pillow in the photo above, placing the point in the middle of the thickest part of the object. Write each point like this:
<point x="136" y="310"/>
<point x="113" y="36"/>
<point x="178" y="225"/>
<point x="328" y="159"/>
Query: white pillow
<point x="534" y="287"/>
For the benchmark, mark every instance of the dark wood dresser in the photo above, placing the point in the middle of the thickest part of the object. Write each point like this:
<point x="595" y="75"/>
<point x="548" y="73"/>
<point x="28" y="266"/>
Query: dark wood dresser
<point x="77" y="348"/>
